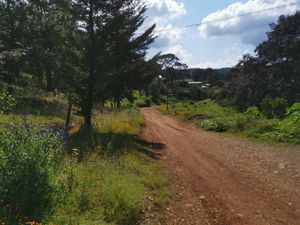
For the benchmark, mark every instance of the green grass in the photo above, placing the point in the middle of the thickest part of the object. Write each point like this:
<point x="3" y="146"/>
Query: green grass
<point x="111" y="191"/>
<point x="112" y="179"/>
<point x="106" y="174"/>
<point x="212" y="117"/>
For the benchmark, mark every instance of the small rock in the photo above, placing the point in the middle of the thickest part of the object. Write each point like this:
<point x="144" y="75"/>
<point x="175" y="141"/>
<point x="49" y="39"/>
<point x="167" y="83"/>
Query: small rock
<point x="289" y="204"/>
<point x="281" y="166"/>
<point x="240" y="215"/>
<point x="188" y="205"/>
<point x="202" y="197"/>
<point x="276" y="171"/>
<point x="281" y="220"/>
<point x="150" y="198"/>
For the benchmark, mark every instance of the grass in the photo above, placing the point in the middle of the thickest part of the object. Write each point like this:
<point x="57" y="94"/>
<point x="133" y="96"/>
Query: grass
<point x="212" y="117"/>
<point x="111" y="191"/>
<point x="106" y="175"/>
<point x="112" y="180"/>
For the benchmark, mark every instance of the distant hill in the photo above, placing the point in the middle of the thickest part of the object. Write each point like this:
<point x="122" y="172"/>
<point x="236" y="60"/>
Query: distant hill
<point x="221" y="71"/>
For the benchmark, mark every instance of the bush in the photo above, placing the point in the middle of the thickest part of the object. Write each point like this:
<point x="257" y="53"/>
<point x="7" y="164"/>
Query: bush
<point x="274" y="108"/>
<point x="27" y="172"/>
<point x="291" y="124"/>
<point x="143" y="102"/>
<point x="293" y="113"/>
<point x="219" y="125"/>
<point x="253" y="113"/>
<point x="7" y="103"/>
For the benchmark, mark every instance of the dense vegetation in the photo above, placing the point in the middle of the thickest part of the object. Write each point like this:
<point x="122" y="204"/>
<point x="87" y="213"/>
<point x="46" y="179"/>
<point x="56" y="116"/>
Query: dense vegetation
<point x="252" y="123"/>
<point x="61" y="64"/>
<point x="272" y="74"/>
<point x="79" y="48"/>
<point x="259" y="97"/>
<point x="103" y="175"/>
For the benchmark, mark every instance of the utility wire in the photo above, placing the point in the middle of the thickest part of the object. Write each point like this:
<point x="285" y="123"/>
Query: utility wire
<point x="226" y="18"/>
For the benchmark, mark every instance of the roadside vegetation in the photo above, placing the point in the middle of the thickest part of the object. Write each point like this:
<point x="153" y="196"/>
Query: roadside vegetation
<point x="104" y="175"/>
<point x="209" y="115"/>
<point x="259" y="97"/>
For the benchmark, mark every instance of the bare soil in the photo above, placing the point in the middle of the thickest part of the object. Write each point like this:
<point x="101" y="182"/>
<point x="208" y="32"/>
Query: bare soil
<point x="222" y="179"/>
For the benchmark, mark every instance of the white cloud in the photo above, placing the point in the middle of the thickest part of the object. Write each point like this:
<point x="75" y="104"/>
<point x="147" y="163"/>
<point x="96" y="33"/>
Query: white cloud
<point x="165" y="9"/>
<point x="229" y="57"/>
<point x="250" y="28"/>
<point x="163" y="13"/>
<point x="183" y="55"/>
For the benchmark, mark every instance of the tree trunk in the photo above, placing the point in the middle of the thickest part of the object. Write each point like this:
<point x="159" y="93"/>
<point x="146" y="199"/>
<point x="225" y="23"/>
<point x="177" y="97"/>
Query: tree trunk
<point x="49" y="79"/>
<point x="68" y="118"/>
<point x="91" y="80"/>
<point x="118" y="104"/>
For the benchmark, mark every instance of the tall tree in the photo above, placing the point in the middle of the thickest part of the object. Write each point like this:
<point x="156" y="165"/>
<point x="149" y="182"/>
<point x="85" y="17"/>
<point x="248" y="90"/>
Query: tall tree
<point x="114" y="48"/>
<point x="12" y="23"/>
<point x="273" y="72"/>
<point x="172" y="69"/>
<point x="281" y="55"/>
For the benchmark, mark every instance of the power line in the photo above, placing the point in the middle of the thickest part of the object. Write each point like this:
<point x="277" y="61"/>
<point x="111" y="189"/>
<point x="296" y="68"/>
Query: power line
<point x="226" y="18"/>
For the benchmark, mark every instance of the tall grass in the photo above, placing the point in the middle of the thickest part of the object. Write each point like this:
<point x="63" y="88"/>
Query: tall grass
<point x="27" y="177"/>
<point x="109" y="181"/>
<point x="100" y="176"/>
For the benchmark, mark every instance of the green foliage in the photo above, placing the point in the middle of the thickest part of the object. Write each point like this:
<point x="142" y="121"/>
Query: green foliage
<point x="293" y="113"/>
<point x="213" y="117"/>
<point x="143" y="101"/>
<point x="7" y="102"/>
<point x="219" y="125"/>
<point x="27" y="178"/>
<point x="110" y="180"/>
<point x="253" y="113"/>
<point x="274" y="108"/>
<point x="274" y="71"/>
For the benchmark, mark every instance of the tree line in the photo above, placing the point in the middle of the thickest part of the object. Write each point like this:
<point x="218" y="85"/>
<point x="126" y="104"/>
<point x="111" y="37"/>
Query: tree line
<point x="269" y="78"/>
<point x="91" y="50"/>
<point x="272" y="73"/>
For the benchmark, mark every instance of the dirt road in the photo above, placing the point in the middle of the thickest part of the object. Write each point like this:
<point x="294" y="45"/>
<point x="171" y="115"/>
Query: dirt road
<point x="220" y="179"/>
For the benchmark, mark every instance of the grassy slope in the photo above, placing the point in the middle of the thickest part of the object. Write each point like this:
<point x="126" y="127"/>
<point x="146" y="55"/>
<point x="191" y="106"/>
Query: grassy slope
<point x="211" y="116"/>
<point x="113" y="181"/>
<point x="106" y="177"/>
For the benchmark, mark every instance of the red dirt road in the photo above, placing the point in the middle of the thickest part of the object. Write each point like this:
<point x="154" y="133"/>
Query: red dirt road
<point x="220" y="179"/>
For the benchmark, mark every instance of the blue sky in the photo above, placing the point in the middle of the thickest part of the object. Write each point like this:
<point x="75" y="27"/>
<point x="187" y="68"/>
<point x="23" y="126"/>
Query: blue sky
<point x="218" y="44"/>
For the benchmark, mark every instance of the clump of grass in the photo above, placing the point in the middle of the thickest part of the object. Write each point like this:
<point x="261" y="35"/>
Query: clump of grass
<point x="126" y="122"/>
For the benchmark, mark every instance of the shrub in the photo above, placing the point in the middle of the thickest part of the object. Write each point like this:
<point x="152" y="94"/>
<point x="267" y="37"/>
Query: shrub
<point x="291" y="124"/>
<point x="274" y="108"/>
<point x="293" y="113"/>
<point x="143" y="102"/>
<point x="219" y="125"/>
<point x="253" y="113"/>
<point x="7" y="103"/>
<point x="27" y="172"/>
